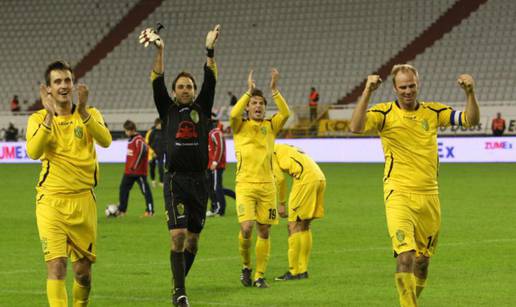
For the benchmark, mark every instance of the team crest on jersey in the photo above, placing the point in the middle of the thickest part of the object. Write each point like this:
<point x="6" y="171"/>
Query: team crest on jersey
<point x="181" y="208"/>
<point x="78" y="132"/>
<point x="425" y="125"/>
<point x="400" y="235"/>
<point x="263" y="130"/>
<point x="44" y="246"/>
<point x="194" y="116"/>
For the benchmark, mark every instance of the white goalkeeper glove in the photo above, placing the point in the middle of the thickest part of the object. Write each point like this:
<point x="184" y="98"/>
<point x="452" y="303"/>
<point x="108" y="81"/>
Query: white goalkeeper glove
<point x="149" y="36"/>
<point x="212" y="37"/>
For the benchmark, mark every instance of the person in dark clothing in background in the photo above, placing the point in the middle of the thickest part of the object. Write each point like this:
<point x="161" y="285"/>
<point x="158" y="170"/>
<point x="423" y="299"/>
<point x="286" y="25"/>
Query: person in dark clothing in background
<point x="11" y="133"/>
<point x="313" y="101"/>
<point x="154" y="139"/>
<point x="232" y="99"/>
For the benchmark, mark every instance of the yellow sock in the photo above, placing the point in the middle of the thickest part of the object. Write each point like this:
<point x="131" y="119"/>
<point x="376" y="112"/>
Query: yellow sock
<point x="293" y="253"/>
<point x="244" y="248"/>
<point x="305" y="248"/>
<point x="420" y="285"/>
<point x="263" y="247"/>
<point x="81" y="294"/>
<point x="56" y="293"/>
<point x="406" y="284"/>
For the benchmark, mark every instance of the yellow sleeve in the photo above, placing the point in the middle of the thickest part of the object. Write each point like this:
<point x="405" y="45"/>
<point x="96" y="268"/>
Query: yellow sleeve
<point x="282" y="190"/>
<point x="450" y="117"/>
<point x="235" y="117"/>
<point x="37" y="135"/>
<point x="154" y="75"/>
<point x="375" y="117"/>
<point x="97" y="128"/>
<point x="281" y="183"/>
<point x="279" y="119"/>
<point x="147" y="135"/>
<point x="150" y="156"/>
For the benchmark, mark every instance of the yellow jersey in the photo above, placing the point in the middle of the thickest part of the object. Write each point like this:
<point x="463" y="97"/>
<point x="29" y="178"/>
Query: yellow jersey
<point x="151" y="153"/>
<point x="301" y="167"/>
<point x="254" y="140"/>
<point x="409" y="141"/>
<point x="66" y="150"/>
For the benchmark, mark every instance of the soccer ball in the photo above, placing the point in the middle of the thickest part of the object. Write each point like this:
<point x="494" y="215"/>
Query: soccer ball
<point x="111" y="210"/>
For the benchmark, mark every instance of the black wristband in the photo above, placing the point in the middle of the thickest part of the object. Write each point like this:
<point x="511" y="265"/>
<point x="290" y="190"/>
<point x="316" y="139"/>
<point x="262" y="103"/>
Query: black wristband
<point x="210" y="52"/>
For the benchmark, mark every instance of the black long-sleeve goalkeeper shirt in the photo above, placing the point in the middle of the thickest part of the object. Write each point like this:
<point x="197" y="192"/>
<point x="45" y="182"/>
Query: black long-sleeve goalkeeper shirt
<point x="185" y="127"/>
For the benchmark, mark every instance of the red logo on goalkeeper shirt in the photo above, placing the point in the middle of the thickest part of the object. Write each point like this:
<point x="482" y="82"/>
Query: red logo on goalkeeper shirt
<point x="186" y="130"/>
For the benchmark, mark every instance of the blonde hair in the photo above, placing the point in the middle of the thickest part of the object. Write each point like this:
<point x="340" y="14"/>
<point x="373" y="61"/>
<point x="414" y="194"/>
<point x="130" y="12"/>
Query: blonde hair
<point x="403" y="68"/>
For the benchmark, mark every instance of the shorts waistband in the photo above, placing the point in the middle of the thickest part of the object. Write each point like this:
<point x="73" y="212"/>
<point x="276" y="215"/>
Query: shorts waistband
<point x="80" y="194"/>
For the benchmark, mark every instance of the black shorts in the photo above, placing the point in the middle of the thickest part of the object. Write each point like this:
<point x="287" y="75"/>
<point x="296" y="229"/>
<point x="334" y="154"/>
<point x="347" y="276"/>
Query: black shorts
<point x="186" y="200"/>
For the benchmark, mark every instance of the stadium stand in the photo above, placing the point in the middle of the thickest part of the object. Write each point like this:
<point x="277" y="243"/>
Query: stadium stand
<point x="480" y="46"/>
<point x="35" y="33"/>
<point x="330" y="44"/>
<point x="321" y="45"/>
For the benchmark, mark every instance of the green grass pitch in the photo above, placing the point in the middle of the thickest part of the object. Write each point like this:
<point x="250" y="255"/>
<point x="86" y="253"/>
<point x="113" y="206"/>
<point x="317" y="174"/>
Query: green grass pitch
<point x="351" y="262"/>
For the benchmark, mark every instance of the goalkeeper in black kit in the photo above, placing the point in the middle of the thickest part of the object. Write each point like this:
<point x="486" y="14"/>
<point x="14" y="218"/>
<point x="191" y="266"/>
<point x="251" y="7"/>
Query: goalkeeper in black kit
<point x="185" y="124"/>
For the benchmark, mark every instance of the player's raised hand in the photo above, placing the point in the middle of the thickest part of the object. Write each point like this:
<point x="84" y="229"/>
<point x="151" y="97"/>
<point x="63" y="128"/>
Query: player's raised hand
<point x="251" y="84"/>
<point x="373" y="82"/>
<point x="47" y="100"/>
<point x="82" y="95"/>
<point x="150" y="36"/>
<point x="212" y="36"/>
<point x="466" y="82"/>
<point x="274" y="79"/>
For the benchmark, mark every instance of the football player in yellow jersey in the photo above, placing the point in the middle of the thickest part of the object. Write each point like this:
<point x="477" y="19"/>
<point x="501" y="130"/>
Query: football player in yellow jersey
<point x="408" y="130"/>
<point x="63" y="137"/>
<point x="255" y="189"/>
<point x="305" y="203"/>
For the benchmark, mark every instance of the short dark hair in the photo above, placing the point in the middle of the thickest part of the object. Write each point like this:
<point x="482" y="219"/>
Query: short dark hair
<point x="258" y="93"/>
<point x="129" y="125"/>
<point x="213" y="123"/>
<point x="186" y="75"/>
<point x="157" y="121"/>
<point x="57" y="65"/>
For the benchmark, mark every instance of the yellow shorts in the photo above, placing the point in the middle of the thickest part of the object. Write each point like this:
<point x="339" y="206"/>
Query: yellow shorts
<point x="256" y="202"/>
<point x="67" y="226"/>
<point x="413" y="221"/>
<point x="306" y="201"/>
